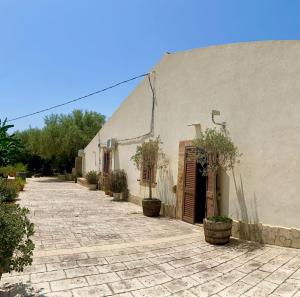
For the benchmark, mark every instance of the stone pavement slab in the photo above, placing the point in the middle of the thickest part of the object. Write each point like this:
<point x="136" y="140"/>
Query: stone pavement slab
<point x="88" y="245"/>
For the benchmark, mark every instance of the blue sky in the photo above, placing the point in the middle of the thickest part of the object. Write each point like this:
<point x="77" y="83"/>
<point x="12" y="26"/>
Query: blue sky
<point x="53" y="51"/>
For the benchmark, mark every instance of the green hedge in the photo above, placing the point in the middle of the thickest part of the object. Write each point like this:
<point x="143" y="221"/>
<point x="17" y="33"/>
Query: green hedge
<point x="8" y="190"/>
<point x="15" y="238"/>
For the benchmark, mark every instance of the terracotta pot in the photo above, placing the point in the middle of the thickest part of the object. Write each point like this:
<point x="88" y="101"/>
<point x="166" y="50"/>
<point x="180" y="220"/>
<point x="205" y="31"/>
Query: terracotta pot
<point x="151" y="207"/>
<point x="217" y="232"/>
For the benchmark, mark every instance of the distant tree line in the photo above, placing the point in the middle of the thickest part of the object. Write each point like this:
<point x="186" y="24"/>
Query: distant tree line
<point x="55" y="146"/>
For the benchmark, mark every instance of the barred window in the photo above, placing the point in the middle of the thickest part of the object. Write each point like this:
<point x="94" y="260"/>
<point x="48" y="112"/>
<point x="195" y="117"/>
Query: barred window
<point x="145" y="174"/>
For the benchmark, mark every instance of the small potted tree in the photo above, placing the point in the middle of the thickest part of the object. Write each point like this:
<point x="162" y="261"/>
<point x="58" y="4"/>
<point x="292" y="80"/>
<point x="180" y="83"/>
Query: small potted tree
<point x="118" y="180"/>
<point x="15" y="238"/>
<point x="92" y="179"/>
<point x="216" y="150"/>
<point x="149" y="156"/>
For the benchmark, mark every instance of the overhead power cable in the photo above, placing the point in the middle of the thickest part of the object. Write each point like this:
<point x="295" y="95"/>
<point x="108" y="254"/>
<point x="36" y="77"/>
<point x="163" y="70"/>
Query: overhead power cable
<point x="77" y="99"/>
<point x="151" y="131"/>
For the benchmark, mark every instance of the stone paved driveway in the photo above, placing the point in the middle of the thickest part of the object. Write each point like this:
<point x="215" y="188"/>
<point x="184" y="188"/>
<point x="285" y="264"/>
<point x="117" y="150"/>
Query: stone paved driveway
<point x="88" y="245"/>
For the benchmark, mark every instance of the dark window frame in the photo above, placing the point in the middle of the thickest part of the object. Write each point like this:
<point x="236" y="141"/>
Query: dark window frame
<point x="106" y="161"/>
<point x="144" y="180"/>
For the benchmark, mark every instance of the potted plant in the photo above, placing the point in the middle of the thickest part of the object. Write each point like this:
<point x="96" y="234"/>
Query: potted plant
<point x="217" y="229"/>
<point x="216" y="150"/>
<point x="118" y="180"/>
<point x="149" y="156"/>
<point x="92" y="179"/>
<point x="15" y="238"/>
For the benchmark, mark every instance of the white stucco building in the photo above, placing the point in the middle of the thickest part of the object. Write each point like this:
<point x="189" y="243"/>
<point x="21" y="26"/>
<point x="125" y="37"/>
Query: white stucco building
<point x="256" y="87"/>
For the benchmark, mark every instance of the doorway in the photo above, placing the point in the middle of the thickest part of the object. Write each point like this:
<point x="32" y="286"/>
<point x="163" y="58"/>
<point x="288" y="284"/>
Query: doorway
<point x="201" y="187"/>
<point x="194" y="189"/>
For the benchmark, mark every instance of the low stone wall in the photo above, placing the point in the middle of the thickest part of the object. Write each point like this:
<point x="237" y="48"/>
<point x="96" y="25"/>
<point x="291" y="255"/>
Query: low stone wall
<point x="286" y="237"/>
<point x="166" y="210"/>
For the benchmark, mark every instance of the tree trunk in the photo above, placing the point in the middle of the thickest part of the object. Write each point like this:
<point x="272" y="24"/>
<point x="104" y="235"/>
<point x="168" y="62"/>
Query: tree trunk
<point x="211" y="197"/>
<point x="214" y="181"/>
<point x="150" y="183"/>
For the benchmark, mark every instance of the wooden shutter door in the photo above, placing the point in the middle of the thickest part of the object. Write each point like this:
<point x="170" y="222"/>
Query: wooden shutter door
<point x="189" y="195"/>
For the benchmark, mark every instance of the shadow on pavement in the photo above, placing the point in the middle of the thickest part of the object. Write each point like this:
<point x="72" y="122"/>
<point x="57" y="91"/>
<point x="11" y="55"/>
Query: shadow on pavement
<point x="242" y="245"/>
<point x="51" y="180"/>
<point x="19" y="290"/>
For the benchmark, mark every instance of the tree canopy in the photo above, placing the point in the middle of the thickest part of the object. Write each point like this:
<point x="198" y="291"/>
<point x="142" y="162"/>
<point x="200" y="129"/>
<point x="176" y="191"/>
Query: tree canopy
<point x="9" y="144"/>
<point x="60" y="139"/>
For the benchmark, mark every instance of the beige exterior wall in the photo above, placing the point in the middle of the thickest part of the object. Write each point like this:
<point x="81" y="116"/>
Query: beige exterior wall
<point x="256" y="88"/>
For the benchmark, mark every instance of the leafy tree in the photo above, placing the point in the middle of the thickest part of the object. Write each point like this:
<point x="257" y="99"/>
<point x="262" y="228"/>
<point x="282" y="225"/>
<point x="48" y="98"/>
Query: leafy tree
<point x="9" y="144"/>
<point x="216" y="150"/>
<point x="58" y="142"/>
<point x="149" y="156"/>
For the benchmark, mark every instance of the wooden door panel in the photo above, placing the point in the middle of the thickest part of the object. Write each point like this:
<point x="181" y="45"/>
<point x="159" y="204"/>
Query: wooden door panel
<point x="189" y="195"/>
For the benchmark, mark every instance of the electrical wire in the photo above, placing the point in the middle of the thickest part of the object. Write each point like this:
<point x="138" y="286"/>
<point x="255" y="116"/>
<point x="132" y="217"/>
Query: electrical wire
<point x="77" y="99"/>
<point x="151" y="131"/>
<point x="125" y="141"/>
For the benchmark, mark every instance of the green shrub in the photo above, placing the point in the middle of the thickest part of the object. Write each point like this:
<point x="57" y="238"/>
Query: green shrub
<point x="11" y="170"/>
<point x="20" y="183"/>
<point x="15" y="244"/>
<point x="7" y="170"/>
<point x="219" y="219"/>
<point x="118" y="180"/>
<point x="92" y="177"/>
<point x="8" y="190"/>
<point x="20" y="167"/>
